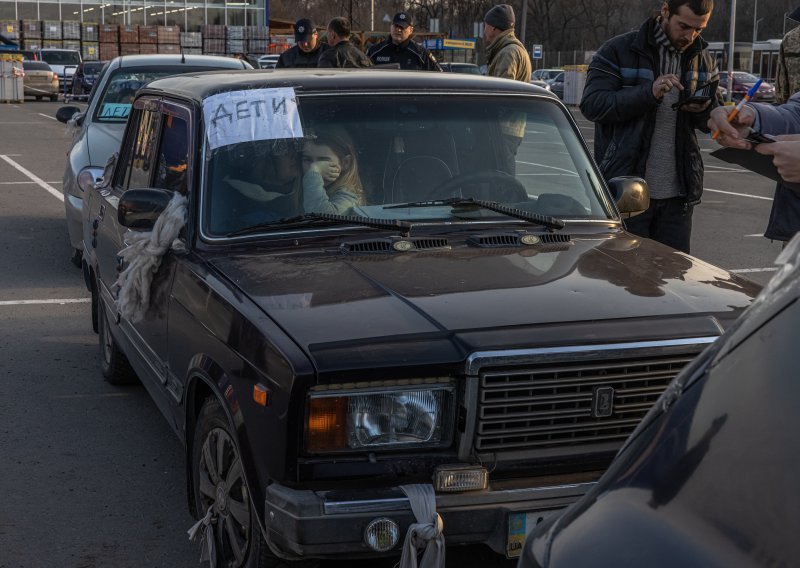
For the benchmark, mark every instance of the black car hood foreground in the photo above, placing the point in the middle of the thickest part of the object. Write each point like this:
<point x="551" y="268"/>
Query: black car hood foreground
<point x="465" y="299"/>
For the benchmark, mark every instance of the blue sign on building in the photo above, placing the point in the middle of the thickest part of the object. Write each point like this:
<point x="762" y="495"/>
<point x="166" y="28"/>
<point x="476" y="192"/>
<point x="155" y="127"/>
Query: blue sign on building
<point x="537" y="51"/>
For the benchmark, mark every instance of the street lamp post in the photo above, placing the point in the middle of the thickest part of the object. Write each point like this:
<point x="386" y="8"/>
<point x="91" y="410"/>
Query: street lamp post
<point x="731" y="40"/>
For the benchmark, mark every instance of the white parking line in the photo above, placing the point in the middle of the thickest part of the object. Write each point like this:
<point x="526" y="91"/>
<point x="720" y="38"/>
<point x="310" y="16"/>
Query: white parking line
<point x="748" y="270"/>
<point x="41" y="183"/>
<point x="24" y="182"/>
<point x="737" y="194"/>
<point x="55" y="301"/>
<point x="47" y="116"/>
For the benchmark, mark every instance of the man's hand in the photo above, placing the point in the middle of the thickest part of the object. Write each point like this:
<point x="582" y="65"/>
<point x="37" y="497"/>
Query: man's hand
<point x="732" y="134"/>
<point x="664" y="84"/>
<point x="785" y="155"/>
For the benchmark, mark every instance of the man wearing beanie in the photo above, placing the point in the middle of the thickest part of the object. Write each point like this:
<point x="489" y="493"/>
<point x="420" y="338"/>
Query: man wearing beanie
<point x="508" y="59"/>
<point x="506" y="56"/>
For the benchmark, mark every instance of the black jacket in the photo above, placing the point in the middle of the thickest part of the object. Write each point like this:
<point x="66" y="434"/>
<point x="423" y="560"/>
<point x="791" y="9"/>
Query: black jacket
<point x="618" y="98"/>
<point x="344" y="54"/>
<point x="296" y="57"/>
<point x="409" y="54"/>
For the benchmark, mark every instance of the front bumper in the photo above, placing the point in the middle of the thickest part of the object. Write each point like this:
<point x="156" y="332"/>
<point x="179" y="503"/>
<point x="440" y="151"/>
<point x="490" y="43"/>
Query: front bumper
<point x="331" y="524"/>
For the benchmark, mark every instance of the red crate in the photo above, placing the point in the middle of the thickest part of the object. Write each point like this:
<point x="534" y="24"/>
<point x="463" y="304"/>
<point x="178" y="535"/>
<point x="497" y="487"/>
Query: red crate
<point x="169" y="35"/>
<point x="109" y="33"/>
<point x="108" y="51"/>
<point x="148" y="48"/>
<point x="148" y="34"/>
<point x="128" y="34"/>
<point x="129" y="49"/>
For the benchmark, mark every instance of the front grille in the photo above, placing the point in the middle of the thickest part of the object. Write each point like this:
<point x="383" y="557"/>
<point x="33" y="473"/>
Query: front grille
<point x="558" y="405"/>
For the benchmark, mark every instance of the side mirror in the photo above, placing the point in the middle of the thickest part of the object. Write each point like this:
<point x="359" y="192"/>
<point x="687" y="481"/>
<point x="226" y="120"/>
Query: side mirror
<point x="630" y="194"/>
<point x="139" y="208"/>
<point x="65" y="113"/>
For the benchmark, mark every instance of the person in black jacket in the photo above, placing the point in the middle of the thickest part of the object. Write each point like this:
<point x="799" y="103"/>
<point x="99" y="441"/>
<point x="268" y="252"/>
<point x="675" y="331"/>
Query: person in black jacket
<point x="342" y="52"/>
<point x="635" y="93"/>
<point x="307" y="48"/>
<point x="400" y="48"/>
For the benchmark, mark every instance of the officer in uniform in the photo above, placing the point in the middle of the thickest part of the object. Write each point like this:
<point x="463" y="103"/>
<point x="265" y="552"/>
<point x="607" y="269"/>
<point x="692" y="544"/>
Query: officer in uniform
<point x="307" y="48"/>
<point x="400" y="48"/>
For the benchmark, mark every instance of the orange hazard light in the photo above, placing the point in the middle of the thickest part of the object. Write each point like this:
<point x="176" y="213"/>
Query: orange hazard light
<point x="326" y="429"/>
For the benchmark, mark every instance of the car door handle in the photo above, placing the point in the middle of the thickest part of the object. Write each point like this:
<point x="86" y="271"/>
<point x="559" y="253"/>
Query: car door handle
<point x="120" y="263"/>
<point x="101" y="213"/>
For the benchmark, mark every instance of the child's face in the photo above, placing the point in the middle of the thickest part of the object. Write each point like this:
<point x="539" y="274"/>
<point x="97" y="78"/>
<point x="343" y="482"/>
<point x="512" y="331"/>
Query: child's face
<point x="324" y="160"/>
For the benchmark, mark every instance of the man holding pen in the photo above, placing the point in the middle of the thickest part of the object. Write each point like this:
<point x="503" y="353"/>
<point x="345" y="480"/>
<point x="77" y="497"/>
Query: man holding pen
<point x="783" y="121"/>
<point x="647" y="91"/>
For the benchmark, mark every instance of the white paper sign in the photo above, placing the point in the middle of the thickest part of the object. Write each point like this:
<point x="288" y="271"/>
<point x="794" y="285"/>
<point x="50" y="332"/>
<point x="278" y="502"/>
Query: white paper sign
<point x="246" y="116"/>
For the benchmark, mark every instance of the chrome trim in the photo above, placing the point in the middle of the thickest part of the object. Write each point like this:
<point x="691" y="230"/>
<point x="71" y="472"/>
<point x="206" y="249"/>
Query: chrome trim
<point x="443" y="501"/>
<point x="471" y="403"/>
<point x="521" y="356"/>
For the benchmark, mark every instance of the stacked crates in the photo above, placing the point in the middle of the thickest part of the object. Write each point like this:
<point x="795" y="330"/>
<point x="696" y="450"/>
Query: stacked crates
<point x="129" y="40"/>
<point x="235" y="40"/>
<point x="10" y="28"/>
<point x="257" y="39"/>
<point x="192" y="43"/>
<point x="90" y="48"/>
<point x="31" y="34"/>
<point x="71" y="30"/>
<point x="169" y="39"/>
<point x="109" y="41"/>
<point x="213" y="39"/>
<point x="11" y="74"/>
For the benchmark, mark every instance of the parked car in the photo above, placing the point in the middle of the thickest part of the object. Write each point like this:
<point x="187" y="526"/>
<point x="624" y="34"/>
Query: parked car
<point x="543" y="84"/>
<point x="468" y="68"/>
<point x="742" y="82"/>
<point x="100" y="126"/>
<point x="485" y="328"/>
<point x="85" y="78"/>
<point x="703" y="480"/>
<point x="268" y="61"/>
<point x="545" y="74"/>
<point x="557" y="85"/>
<point x="63" y="61"/>
<point x="39" y="81"/>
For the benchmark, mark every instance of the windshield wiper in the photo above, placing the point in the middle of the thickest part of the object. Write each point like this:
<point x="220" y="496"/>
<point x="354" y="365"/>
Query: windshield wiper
<point x="543" y="220"/>
<point x="324" y="219"/>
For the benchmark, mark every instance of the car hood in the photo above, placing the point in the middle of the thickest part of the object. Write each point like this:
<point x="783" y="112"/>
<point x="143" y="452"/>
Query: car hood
<point x="325" y="298"/>
<point x="102" y="140"/>
<point x="59" y="69"/>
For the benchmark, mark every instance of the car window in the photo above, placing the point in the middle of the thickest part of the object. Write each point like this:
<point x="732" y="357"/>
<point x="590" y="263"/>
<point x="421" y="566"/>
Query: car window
<point x="139" y="169"/>
<point x="171" y="171"/>
<point x="92" y="68"/>
<point x="745" y="77"/>
<point x="61" y="57"/>
<point x="518" y="151"/>
<point x="35" y="66"/>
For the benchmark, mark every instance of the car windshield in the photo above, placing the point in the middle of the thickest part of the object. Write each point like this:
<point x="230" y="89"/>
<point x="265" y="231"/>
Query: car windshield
<point x="92" y="68"/>
<point x="61" y="57"/>
<point x="35" y="66"/>
<point x="120" y="89"/>
<point x="372" y="152"/>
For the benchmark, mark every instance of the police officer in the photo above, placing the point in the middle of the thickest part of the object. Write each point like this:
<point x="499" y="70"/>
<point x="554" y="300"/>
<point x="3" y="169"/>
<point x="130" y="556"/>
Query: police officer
<point x="307" y="48"/>
<point x="400" y="48"/>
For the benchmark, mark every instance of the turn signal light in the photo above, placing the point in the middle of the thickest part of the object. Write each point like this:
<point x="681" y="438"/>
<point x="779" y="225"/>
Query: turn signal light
<point x="327" y="424"/>
<point x="457" y="477"/>
<point x="261" y="395"/>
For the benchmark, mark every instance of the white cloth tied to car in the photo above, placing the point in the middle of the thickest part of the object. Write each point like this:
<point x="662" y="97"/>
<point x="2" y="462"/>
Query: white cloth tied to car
<point x="143" y="257"/>
<point x="426" y="532"/>
<point x="206" y="525"/>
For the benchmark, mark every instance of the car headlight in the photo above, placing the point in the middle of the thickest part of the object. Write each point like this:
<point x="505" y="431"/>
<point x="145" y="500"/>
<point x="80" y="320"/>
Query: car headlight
<point x="388" y="415"/>
<point x="87" y="178"/>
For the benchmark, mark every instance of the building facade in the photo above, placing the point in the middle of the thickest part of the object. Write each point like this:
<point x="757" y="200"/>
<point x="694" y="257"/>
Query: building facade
<point x="188" y="14"/>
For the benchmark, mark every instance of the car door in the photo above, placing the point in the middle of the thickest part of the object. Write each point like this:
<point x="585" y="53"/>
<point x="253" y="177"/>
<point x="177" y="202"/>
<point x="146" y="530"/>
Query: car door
<point x="155" y="154"/>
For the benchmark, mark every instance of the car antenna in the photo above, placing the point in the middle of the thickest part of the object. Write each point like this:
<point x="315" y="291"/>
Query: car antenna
<point x="183" y="55"/>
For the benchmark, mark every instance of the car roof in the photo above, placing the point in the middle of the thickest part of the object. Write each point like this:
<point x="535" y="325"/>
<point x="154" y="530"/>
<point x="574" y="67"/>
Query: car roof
<point x="198" y="86"/>
<point x="176" y="59"/>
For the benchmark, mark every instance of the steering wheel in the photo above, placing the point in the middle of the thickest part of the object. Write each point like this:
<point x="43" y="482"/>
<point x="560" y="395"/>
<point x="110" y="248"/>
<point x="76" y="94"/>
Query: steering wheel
<point x="510" y="189"/>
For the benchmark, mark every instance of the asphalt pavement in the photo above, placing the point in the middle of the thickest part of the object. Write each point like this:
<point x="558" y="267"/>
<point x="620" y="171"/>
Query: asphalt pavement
<point x="91" y="474"/>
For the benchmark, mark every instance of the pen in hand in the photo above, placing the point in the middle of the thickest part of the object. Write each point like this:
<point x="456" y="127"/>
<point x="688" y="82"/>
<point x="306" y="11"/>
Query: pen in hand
<point x="735" y="111"/>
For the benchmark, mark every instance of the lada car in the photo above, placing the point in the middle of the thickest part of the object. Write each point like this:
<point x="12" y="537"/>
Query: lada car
<point x="352" y="291"/>
<point x="39" y="81"/>
<point x="99" y="128"/>
<point x="705" y="480"/>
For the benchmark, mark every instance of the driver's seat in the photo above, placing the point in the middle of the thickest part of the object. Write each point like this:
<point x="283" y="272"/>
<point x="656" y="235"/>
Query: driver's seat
<point x="416" y="178"/>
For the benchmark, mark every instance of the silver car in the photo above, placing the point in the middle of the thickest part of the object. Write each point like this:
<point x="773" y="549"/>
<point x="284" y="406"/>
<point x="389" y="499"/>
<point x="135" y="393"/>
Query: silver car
<point x="99" y="129"/>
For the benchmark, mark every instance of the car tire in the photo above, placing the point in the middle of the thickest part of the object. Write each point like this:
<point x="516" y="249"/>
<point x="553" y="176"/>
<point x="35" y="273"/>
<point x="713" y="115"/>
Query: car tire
<point x="77" y="258"/>
<point x="38" y="98"/>
<point x="223" y="488"/>
<point x="115" y="366"/>
<point x="53" y="98"/>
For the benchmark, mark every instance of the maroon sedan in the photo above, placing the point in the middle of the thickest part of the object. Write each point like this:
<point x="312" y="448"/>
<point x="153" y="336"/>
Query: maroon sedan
<point x="742" y="82"/>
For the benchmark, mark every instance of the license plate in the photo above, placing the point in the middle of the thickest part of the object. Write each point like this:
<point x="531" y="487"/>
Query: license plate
<point x="520" y="525"/>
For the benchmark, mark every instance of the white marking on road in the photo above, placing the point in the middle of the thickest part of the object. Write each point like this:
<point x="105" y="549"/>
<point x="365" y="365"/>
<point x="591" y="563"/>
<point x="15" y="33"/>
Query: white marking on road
<point x="47" y="116"/>
<point x="41" y="183"/>
<point x="738" y="194"/>
<point x="22" y="123"/>
<point x="23" y="182"/>
<point x="748" y="270"/>
<point x="755" y="235"/>
<point x="50" y="301"/>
